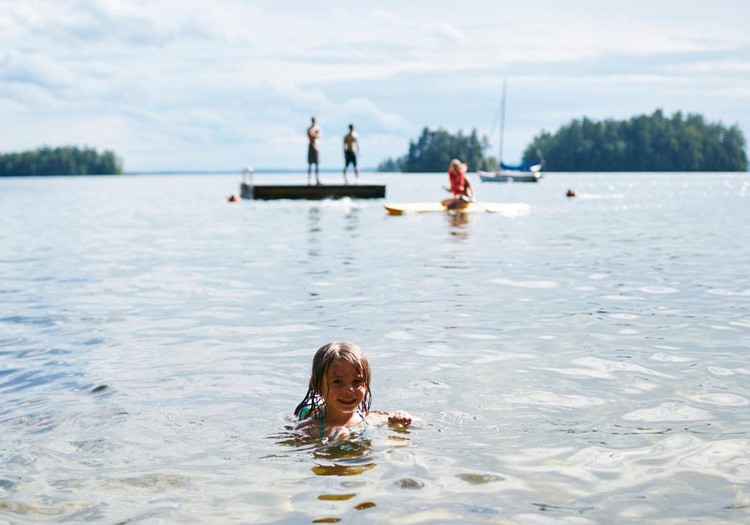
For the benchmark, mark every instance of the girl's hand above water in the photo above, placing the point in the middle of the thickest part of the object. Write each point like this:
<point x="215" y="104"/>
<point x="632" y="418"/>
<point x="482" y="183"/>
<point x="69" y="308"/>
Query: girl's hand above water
<point x="399" y="417"/>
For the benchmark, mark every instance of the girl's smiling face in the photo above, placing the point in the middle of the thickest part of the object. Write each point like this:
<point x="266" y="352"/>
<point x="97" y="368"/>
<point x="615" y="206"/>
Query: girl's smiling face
<point x="344" y="387"/>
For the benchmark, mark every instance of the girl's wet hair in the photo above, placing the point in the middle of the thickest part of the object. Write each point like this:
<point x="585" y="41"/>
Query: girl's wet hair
<point x="313" y="405"/>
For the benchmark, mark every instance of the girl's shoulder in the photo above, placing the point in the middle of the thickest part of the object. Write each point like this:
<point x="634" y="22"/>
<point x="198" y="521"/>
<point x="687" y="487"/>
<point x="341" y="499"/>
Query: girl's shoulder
<point x="307" y="423"/>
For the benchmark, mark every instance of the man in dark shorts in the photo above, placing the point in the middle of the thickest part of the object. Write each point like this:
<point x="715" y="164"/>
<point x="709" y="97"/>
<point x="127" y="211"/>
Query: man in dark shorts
<point x="351" y="148"/>
<point x="313" y="134"/>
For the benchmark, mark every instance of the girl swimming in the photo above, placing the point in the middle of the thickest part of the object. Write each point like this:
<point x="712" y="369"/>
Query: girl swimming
<point x="338" y="397"/>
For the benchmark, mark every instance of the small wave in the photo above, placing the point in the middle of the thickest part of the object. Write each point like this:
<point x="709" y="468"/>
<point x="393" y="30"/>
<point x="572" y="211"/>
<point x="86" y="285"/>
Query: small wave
<point x="614" y="366"/>
<point x="667" y="412"/>
<point x="659" y="290"/>
<point x="726" y="458"/>
<point x="721" y="399"/>
<point x="399" y="336"/>
<point x="11" y="342"/>
<point x="27" y="320"/>
<point x="526" y="284"/>
<point x="669" y="358"/>
<point x="600" y="196"/>
<point x="624" y="316"/>
<point x="280" y="329"/>
<point x="723" y="292"/>
<point x="621" y="298"/>
<point x="742" y="323"/>
<point x="552" y="399"/>
<point x="720" y="371"/>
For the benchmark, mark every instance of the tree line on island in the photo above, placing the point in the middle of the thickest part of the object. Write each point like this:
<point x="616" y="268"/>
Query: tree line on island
<point x="68" y="160"/>
<point x="642" y="143"/>
<point x="434" y="150"/>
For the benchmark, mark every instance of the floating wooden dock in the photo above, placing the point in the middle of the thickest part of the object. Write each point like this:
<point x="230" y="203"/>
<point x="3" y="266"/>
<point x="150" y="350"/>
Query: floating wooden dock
<point x="311" y="191"/>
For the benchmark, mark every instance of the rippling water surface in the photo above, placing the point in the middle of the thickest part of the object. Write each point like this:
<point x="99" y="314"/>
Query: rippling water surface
<point x="584" y="363"/>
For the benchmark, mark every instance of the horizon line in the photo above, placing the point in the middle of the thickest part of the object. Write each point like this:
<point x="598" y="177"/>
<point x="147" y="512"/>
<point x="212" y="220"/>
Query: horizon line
<point x="235" y="170"/>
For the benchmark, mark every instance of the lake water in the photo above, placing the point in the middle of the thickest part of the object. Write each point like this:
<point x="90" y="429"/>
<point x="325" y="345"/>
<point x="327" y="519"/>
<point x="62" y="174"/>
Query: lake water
<point x="585" y="363"/>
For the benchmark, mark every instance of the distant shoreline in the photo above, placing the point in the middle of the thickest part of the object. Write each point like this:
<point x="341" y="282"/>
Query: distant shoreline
<point x="240" y="171"/>
<point x="260" y="171"/>
<point x="271" y="171"/>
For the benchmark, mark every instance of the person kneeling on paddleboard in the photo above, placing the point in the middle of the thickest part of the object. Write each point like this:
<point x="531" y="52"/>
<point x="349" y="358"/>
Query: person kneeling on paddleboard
<point x="460" y="186"/>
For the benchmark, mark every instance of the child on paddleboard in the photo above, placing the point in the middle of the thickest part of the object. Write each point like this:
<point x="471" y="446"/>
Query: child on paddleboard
<point x="337" y="403"/>
<point x="460" y="186"/>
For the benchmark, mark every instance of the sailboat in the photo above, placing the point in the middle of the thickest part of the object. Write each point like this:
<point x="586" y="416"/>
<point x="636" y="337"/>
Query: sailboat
<point x="525" y="172"/>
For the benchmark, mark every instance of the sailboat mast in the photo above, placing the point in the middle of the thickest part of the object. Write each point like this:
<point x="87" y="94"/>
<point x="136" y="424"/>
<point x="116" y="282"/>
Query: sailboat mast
<point x="502" y="127"/>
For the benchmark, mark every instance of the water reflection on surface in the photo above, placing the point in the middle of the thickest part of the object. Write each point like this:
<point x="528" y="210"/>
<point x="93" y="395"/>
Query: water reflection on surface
<point x="584" y="363"/>
<point x="351" y="463"/>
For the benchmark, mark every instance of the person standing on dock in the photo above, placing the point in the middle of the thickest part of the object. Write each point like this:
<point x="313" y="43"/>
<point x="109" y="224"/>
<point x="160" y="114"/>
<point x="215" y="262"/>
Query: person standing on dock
<point x="351" y="148"/>
<point x="313" y="149"/>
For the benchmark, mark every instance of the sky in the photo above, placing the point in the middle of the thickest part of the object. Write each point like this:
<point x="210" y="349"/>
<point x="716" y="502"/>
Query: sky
<point x="224" y="84"/>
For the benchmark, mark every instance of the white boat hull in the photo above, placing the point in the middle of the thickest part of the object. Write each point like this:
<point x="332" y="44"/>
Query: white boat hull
<point x="510" y="176"/>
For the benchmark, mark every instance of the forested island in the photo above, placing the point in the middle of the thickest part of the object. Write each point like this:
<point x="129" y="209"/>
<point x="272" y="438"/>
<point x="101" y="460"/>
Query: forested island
<point x="434" y="150"/>
<point x="67" y="160"/>
<point x="643" y="143"/>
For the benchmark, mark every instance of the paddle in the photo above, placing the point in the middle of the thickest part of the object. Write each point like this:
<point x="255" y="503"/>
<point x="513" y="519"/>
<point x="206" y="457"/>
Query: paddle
<point x="486" y="209"/>
<point x="469" y="197"/>
<point x="468" y="200"/>
<point x="473" y="199"/>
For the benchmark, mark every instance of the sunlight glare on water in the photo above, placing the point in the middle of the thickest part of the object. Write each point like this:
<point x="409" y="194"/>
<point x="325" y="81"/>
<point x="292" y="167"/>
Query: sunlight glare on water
<point x="583" y="363"/>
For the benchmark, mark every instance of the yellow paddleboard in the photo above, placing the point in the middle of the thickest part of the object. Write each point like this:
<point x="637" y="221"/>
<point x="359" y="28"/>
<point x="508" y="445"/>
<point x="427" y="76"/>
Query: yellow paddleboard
<point x="502" y="208"/>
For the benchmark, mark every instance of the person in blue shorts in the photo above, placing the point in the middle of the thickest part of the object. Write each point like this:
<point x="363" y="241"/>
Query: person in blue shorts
<point x="351" y="149"/>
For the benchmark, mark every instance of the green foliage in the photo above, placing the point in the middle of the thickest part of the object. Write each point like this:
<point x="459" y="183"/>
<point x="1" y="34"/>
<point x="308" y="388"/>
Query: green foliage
<point x="391" y="165"/>
<point x="59" y="161"/>
<point x="434" y="150"/>
<point x="642" y="143"/>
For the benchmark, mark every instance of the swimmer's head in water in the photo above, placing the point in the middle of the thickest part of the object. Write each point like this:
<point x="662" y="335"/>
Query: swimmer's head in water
<point x="313" y="404"/>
